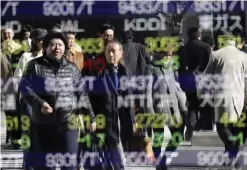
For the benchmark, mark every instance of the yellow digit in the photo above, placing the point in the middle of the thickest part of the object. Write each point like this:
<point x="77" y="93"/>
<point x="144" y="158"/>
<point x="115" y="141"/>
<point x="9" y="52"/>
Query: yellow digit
<point x="25" y="123"/>
<point x="150" y="118"/>
<point x="9" y="123"/>
<point x="82" y="44"/>
<point x="15" y="122"/>
<point x="224" y="119"/>
<point x="72" y="122"/>
<point x="240" y="123"/>
<point x="149" y="44"/>
<point x="175" y="43"/>
<point x="89" y="45"/>
<point x="99" y="44"/>
<point x="87" y="121"/>
<point x="157" y="43"/>
<point x="163" y="42"/>
<point x="139" y="120"/>
<point x="175" y="123"/>
<point x="100" y="121"/>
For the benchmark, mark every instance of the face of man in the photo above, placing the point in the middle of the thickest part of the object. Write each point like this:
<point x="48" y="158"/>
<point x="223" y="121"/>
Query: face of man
<point x="113" y="53"/>
<point x="108" y="34"/>
<point x="55" y="49"/>
<point x="8" y="34"/>
<point x="71" y="40"/>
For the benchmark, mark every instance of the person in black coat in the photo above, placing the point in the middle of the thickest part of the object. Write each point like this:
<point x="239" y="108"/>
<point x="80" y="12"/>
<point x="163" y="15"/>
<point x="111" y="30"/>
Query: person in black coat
<point x="106" y="99"/>
<point x="196" y="60"/>
<point x="51" y="88"/>
<point x="136" y="61"/>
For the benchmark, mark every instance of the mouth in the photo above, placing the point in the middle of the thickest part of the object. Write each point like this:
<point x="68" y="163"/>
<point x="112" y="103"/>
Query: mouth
<point x="56" y="52"/>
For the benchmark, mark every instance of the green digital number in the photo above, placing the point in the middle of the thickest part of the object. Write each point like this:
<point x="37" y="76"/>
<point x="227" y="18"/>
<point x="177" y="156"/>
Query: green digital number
<point x="158" y="139"/>
<point x="238" y="137"/>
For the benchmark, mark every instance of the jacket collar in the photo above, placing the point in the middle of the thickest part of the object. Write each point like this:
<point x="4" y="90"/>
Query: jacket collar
<point x="231" y="43"/>
<point x="63" y="62"/>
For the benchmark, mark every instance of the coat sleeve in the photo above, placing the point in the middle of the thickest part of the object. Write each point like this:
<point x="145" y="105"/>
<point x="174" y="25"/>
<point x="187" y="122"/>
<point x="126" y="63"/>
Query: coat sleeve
<point x="210" y="66"/>
<point x="27" y="85"/>
<point x="206" y="58"/>
<point x="82" y="93"/>
<point x="181" y="97"/>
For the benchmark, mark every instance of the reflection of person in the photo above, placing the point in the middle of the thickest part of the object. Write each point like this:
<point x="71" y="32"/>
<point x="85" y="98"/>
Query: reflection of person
<point x="105" y="100"/>
<point x="48" y="87"/>
<point x="231" y="64"/>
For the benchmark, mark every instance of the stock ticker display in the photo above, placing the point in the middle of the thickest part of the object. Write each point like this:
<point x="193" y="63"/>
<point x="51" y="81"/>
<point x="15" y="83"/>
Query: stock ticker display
<point x="151" y="28"/>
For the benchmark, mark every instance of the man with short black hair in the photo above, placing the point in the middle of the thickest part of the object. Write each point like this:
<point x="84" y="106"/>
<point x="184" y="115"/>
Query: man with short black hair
<point x="197" y="57"/>
<point x="106" y="32"/>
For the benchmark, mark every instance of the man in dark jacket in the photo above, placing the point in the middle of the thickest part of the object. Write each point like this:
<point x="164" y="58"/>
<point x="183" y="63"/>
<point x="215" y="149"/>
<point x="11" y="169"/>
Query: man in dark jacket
<point x="50" y="86"/>
<point x="136" y="61"/>
<point x="106" y="99"/>
<point x="197" y="57"/>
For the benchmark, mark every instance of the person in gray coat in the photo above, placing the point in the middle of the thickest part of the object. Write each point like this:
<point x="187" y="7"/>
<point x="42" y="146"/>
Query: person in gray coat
<point x="227" y="68"/>
<point x="169" y="104"/>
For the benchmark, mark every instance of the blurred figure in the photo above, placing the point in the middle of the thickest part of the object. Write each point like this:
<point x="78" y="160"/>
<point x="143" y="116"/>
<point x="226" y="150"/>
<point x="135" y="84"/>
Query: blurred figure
<point x="73" y="55"/>
<point x="9" y="46"/>
<point x="36" y="50"/>
<point x="230" y="64"/>
<point x="6" y="73"/>
<point x="5" y="67"/>
<point x="54" y="111"/>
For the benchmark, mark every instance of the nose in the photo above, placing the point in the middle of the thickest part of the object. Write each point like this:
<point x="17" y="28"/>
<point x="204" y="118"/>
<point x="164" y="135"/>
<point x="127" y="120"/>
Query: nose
<point x="111" y="54"/>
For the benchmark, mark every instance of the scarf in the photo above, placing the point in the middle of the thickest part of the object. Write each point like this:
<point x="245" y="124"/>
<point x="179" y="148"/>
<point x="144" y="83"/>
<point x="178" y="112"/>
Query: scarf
<point x="165" y="63"/>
